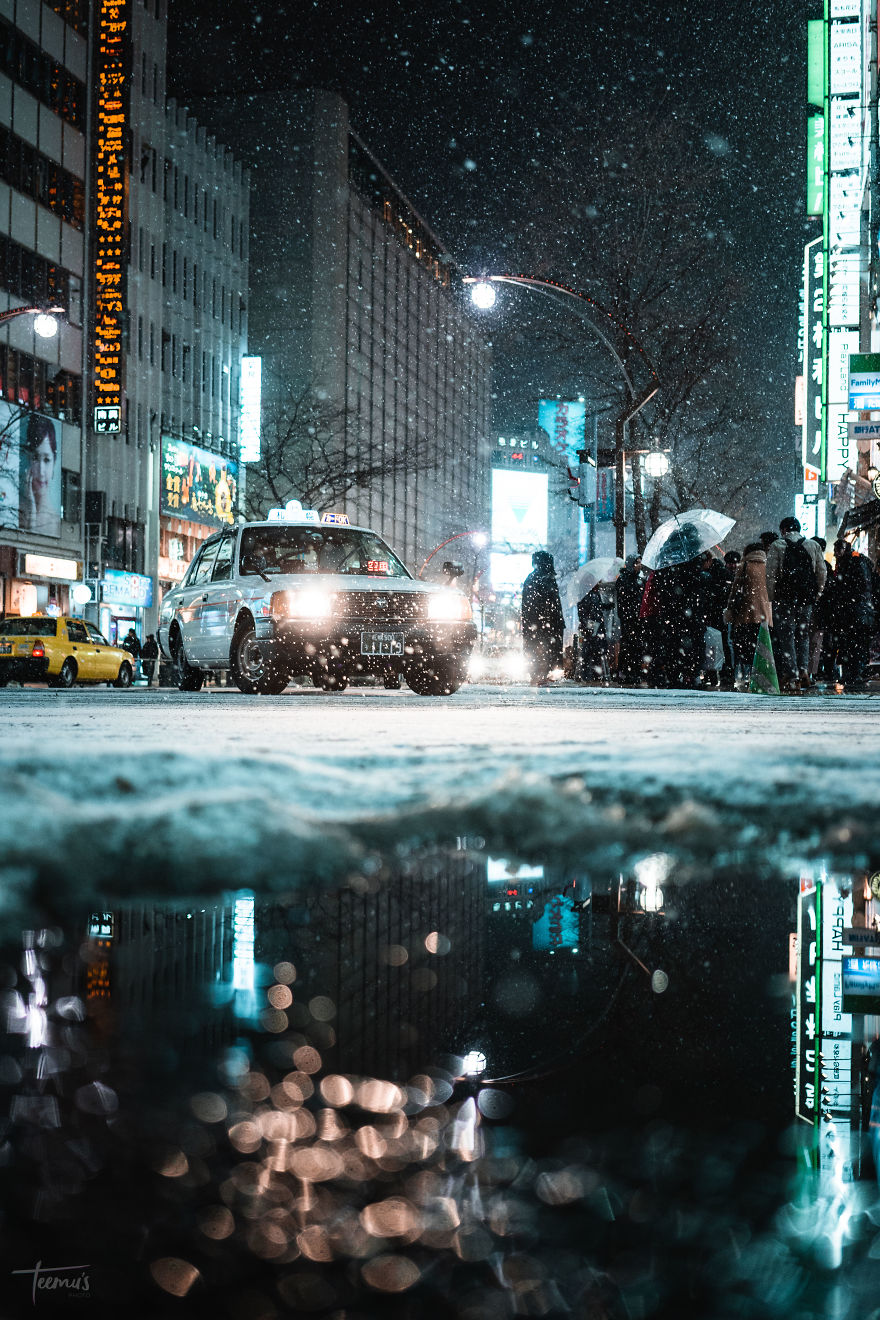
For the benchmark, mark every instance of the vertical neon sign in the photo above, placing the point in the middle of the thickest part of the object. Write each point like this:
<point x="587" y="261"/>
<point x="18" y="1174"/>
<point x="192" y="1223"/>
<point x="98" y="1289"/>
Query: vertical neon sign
<point x="110" y="212"/>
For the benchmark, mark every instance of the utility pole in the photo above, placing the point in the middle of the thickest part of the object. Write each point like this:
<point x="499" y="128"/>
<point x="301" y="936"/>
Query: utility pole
<point x="635" y="405"/>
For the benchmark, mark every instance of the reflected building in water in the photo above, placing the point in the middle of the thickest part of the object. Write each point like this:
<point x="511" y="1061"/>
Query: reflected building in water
<point x="386" y="970"/>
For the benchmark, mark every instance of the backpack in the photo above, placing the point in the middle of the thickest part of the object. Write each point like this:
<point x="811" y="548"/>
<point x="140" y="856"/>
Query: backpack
<point x="796" y="580"/>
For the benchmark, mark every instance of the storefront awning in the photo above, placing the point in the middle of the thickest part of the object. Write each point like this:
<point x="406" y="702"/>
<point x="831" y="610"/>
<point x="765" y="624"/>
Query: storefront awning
<point x="858" y="519"/>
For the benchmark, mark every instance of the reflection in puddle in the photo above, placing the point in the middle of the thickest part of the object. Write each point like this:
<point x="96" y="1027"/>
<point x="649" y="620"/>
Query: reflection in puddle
<point x="457" y="1084"/>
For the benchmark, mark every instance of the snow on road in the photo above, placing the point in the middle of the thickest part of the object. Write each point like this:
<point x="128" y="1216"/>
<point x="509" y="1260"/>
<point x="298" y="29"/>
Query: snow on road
<point x="184" y="793"/>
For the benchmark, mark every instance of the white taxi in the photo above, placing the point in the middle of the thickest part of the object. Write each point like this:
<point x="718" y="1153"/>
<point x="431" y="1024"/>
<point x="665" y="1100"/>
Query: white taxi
<point x="310" y="595"/>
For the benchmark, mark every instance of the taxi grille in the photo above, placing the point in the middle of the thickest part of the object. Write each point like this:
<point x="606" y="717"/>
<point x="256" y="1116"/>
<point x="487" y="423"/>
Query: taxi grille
<point x="378" y="606"/>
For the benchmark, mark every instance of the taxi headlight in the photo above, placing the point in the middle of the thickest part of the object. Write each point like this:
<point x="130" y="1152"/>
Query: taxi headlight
<point x="449" y="607"/>
<point x="310" y="603"/>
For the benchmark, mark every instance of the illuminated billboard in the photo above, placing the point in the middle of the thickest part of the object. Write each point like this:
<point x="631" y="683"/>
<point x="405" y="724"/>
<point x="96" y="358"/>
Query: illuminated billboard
<point x="564" y="423"/>
<point x="112" y="134"/>
<point x="30" y="471"/>
<point x="198" y="485"/>
<point x="557" y="927"/>
<point x="249" y="409"/>
<point x="519" y="509"/>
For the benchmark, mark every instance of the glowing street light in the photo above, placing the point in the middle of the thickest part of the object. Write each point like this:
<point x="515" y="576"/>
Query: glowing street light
<point x="45" y="318"/>
<point x="483" y="295"/>
<point x="45" y="325"/>
<point x="656" y="463"/>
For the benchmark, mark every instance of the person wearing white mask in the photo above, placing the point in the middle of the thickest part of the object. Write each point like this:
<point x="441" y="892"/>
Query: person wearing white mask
<point x="796" y="573"/>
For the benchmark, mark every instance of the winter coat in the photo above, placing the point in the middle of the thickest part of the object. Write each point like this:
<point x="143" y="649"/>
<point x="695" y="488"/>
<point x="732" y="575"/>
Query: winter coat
<point x="774" y="564"/>
<point x="543" y="623"/>
<point x="681" y="598"/>
<point x="716" y="582"/>
<point x="131" y="644"/>
<point x="630" y="586"/>
<point x="853" y="603"/>
<point x="597" y="617"/>
<point x="748" y="601"/>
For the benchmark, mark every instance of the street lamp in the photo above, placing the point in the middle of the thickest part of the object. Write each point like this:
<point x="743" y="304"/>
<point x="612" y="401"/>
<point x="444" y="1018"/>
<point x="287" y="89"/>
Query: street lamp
<point x="480" y="539"/>
<point x="656" y="463"/>
<point x="483" y="296"/>
<point x="45" y="322"/>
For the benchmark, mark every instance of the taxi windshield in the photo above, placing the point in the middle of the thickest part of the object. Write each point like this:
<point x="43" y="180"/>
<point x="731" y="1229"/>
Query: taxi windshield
<point x="317" y="550"/>
<point x="29" y="627"/>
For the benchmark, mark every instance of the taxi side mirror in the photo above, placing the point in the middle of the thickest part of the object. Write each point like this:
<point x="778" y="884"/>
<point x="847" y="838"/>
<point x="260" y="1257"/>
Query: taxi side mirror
<point x="452" y="571"/>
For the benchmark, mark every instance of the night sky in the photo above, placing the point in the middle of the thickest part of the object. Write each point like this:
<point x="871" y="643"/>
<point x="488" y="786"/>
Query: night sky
<point x="467" y="106"/>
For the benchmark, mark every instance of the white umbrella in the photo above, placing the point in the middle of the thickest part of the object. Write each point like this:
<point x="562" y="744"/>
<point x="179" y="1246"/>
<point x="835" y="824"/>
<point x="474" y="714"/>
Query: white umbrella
<point x="589" y="575"/>
<point x="684" y="536"/>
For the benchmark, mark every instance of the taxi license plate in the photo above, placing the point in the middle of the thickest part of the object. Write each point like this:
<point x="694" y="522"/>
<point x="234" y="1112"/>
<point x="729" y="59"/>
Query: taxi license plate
<point x="381" y="643"/>
<point x="5" y="648"/>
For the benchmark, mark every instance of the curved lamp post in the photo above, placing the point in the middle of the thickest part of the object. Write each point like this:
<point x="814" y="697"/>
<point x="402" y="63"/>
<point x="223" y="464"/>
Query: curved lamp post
<point x="483" y="296"/>
<point x="45" y="318"/>
<point x="480" y="539"/>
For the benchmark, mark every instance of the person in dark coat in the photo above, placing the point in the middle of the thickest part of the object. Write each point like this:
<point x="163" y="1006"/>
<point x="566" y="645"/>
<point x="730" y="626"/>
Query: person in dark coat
<point x="543" y="623"/>
<point x="717" y="581"/>
<point x="131" y="644"/>
<point x="853" y="613"/>
<point x="149" y="656"/>
<point x="597" y="624"/>
<point x="679" y="624"/>
<point x="633" y="646"/>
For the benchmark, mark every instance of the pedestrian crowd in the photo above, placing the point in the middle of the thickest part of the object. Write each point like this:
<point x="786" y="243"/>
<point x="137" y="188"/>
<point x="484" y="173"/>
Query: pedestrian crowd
<point x="696" y="622"/>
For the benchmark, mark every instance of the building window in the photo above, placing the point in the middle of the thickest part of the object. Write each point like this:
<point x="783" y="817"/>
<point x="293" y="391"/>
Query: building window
<point x="174" y="270"/>
<point x="140" y="338"/>
<point x="71" y="496"/>
<point x="164" y="265"/>
<point x="74" y="12"/>
<point x="24" y="63"/>
<point x="24" y="168"/>
<point x="27" y="275"/>
<point x="186" y="194"/>
<point x="185" y="363"/>
<point x="152" y="261"/>
<point x="152" y="345"/>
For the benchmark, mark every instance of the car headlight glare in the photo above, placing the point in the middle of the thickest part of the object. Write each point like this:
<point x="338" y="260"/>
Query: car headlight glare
<point x="449" y="607"/>
<point x="310" y="603"/>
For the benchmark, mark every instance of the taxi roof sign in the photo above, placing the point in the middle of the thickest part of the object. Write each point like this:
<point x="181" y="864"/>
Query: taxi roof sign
<point x="338" y="519"/>
<point x="293" y="511"/>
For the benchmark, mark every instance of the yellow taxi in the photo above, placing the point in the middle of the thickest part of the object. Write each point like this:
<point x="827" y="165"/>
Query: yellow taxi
<point x="60" y="652"/>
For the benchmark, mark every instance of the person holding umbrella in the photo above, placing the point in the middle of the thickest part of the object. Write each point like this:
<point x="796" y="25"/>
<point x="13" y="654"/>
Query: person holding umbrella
<point x="543" y="624"/>
<point x="675" y="597"/>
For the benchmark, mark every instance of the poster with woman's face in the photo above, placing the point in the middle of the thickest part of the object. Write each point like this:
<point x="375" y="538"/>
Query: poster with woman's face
<point x="39" y="497"/>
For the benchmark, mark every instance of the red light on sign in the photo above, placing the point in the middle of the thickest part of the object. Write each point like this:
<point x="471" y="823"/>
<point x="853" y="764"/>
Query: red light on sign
<point x="517" y="458"/>
<point x="377" y="566"/>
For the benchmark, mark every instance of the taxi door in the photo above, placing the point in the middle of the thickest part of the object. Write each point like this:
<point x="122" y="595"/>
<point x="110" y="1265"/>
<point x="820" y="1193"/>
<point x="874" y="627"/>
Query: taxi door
<point x="106" y="656"/>
<point x="83" y="650"/>
<point x="191" y="599"/>
<point x="220" y="606"/>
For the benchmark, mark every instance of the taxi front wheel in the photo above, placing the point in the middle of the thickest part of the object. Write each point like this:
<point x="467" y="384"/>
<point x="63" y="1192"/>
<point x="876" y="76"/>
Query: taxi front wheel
<point x="253" y="669"/>
<point x="435" y="678"/>
<point x="124" y="677"/>
<point x="189" y="679"/>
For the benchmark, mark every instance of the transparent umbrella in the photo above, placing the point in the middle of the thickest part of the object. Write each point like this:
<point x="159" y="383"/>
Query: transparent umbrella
<point x="684" y="536"/>
<point x="589" y="575"/>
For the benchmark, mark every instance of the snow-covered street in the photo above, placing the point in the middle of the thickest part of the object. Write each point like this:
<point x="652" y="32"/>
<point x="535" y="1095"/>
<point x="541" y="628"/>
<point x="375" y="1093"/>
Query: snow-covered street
<point x="191" y="792"/>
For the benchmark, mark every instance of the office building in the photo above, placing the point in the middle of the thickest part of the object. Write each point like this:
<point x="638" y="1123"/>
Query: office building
<point x="355" y="305"/>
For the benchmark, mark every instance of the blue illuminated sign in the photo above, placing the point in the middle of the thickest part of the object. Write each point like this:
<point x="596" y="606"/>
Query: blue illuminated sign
<point x="564" y="423"/>
<point x="120" y="588"/>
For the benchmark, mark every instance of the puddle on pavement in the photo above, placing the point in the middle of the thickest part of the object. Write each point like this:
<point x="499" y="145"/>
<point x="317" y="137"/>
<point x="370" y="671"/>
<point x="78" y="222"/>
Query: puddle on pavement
<point x="452" y="1086"/>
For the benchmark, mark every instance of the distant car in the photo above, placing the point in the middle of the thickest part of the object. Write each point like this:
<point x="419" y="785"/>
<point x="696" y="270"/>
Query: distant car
<point x="309" y="596"/>
<point x="60" y="652"/>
